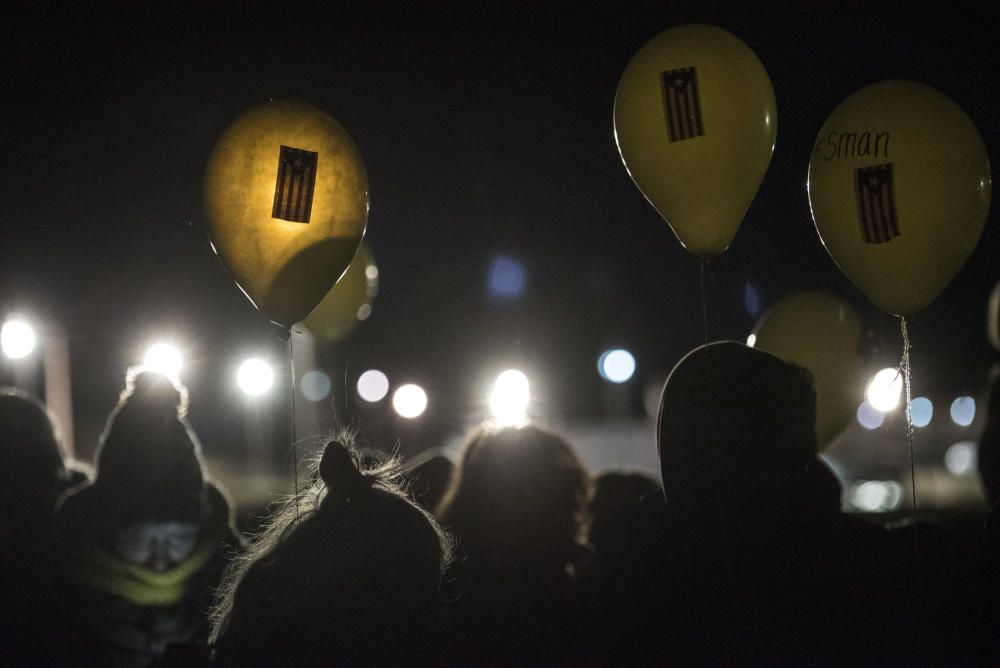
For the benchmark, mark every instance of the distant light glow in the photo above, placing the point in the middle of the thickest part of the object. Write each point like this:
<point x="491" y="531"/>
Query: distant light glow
<point x="960" y="459"/>
<point x="885" y="389"/>
<point x="255" y="377"/>
<point x="651" y="397"/>
<point x="751" y="300"/>
<point x="921" y="410"/>
<point x="373" y="385"/>
<point x="616" y="366"/>
<point x="371" y="272"/>
<point x="870" y="417"/>
<point x="315" y="385"/>
<point x="17" y="339"/>
<point x="410" y="401"/>
<point x="876" y="496"/>
<point x="751" y="340"/>
<point x="510" y="398"/>
<point x="963" y="411"/>
<point x="164" y="358"/>
<point x="506" y="278"/>
<point x="364" y="311"/>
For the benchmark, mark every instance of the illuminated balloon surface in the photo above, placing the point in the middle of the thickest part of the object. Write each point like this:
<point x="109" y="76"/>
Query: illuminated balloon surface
<point x="899" y="185"/>
<point x="286" y="203"/>
<point x="821" y="332"/>
<point x="695" y="121"/>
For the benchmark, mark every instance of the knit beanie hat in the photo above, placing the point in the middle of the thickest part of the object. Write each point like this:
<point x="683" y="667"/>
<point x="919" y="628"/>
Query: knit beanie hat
<point x="149" y="464"/>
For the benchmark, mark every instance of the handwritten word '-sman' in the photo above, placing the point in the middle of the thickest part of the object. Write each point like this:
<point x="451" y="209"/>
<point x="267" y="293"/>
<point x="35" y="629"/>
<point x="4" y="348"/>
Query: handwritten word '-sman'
<point x="853" y="145"/>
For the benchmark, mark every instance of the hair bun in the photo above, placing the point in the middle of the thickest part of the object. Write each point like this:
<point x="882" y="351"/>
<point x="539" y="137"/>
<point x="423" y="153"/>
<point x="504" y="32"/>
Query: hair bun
<point x="339" y="470"/>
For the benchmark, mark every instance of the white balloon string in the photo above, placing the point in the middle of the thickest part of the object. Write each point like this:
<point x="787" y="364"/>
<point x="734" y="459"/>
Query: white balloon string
<point x="295" y="445"/>
<point x="904" y="366"/>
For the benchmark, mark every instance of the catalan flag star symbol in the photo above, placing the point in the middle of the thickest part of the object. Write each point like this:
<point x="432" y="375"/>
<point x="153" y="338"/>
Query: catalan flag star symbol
<point x="680" y="81"/>
<point x="874" y="182"/>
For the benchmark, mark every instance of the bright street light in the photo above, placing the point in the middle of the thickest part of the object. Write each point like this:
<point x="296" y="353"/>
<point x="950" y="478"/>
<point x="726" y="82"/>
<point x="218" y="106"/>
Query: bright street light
<point x="373" y="385"/>
<point x="410" y="401"/>
<point x="17" y="339"/>
<point x="255" y="377"/>
<point x="164" y="358"/>
<point x="510" y="398"/>
<point x="616" y="366"/>
<point x="884" y="389"/>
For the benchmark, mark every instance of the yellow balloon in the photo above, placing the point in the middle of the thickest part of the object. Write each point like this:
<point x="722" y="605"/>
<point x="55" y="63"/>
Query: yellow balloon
<point x="899" y="185"/>
<point x="286" y="203"/>
<point x="348" y="302"/>
<point x="823" y="333"/>
<point x="695" y="122"/>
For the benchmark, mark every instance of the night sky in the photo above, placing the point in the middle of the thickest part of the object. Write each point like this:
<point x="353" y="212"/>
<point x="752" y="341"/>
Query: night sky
<point x="487" y="131"/>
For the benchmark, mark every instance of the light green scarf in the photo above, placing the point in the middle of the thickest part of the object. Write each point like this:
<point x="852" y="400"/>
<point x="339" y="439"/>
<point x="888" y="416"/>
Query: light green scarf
<point x="110" y="573"/>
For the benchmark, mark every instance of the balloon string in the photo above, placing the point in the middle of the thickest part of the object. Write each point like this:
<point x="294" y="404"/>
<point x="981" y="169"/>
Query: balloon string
<point x="295" y="451"/>
<point x="703" y="270"/>
<point x="720" y="493"/>
<point x="904" y="367"/>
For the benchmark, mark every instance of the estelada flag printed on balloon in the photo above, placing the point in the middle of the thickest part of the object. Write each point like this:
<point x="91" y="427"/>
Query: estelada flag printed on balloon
<point x="876" y="204"/>
<point x="681" y="104"/>
<point x="295" y="184"/>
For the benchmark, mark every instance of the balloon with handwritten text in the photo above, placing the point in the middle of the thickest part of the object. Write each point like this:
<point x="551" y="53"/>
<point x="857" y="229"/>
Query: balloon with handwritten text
<point x="899" y="185"/>
<point x="695" y="121"/>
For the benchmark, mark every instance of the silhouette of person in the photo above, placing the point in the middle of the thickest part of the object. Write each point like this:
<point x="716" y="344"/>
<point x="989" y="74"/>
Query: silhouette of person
<point x="759" y="565"/>
<point x="347" y="573"/>
<point x="33" y="473"/>
<point x="143" y="546"/>
<point x="517" y="504"/>
<point x="615" y="580"/>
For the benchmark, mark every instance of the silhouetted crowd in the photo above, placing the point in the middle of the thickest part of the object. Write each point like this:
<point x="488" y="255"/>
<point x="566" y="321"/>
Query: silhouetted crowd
<point x="738" y="554"/>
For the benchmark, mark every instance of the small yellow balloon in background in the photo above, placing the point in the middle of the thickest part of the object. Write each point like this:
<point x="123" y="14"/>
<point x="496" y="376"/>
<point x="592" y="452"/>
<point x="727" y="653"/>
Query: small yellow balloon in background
<point x="348" y="302"/>
<point x="286" y="203"/>
<point x="695" y="122"/>
<point x="822" y="333"/>
<point x="899" y="185"/>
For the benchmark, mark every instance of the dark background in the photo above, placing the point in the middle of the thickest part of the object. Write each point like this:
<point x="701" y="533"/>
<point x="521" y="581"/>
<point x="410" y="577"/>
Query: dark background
<point x="486" y="130"/>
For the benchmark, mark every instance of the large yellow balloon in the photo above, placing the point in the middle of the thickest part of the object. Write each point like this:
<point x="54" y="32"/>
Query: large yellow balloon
<point x="899" y="184"/>
<point x="823" y="333"/>
<point x="348" y="302"/>
<point x="695" y="122"/>
<point x="286" y="203"/>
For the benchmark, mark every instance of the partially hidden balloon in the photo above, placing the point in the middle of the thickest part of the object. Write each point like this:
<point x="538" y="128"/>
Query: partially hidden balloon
<point x="822" y="333"/>
<point x="348" y="302"/>
<point x="993" y="317"/>
<point x="899" y="185"/>
<point x="286" y="203"/>
<point x="695" y="122"/>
